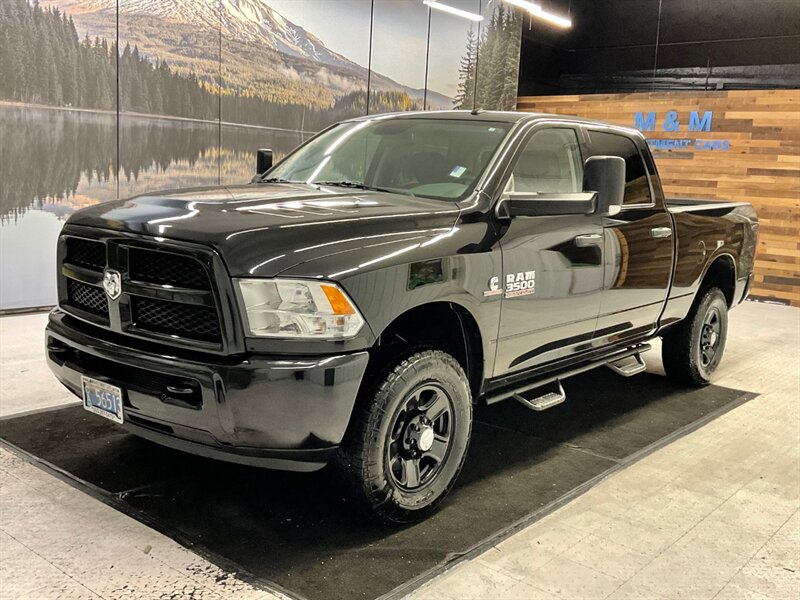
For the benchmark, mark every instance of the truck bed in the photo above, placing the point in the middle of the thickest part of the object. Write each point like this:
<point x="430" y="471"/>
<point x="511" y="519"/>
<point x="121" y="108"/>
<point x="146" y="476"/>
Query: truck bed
<point x="681" y="205"/>
<point x="707" y="230"/>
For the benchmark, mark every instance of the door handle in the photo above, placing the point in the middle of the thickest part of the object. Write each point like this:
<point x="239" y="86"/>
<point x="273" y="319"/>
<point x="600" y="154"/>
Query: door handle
<point x="588" y="239"/>
<point x="661" y="232"/>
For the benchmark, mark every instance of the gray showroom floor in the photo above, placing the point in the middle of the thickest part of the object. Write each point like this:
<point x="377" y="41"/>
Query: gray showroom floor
<point x="715" y="514"/>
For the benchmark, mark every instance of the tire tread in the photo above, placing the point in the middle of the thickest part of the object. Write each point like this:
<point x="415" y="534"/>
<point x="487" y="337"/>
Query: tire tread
<point x="351" y="461"/>
<point x="677" y="350"/>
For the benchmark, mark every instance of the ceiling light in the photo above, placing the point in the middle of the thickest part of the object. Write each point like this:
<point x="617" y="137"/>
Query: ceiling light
<point x="540" y="13"/>
<point x="453" y="11"/>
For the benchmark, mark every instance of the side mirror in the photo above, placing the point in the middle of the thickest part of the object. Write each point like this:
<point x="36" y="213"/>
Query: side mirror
<point x="605" y="175"/>
<point x="547" y="204"/>
<point x="263" y="160"/>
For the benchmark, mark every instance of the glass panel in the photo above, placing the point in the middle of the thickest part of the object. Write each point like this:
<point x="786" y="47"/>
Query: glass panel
<point x="169" y="101"/>
<point x="239" y="145"/>
<point x="452" y="52"/>
<point x="637" y="187"/>
<point x="417" y="157"/>
<point x="550" y="163"/>
<point x="289" y="69"/>
<point x="399" y="45"/>
<point x="58" y="146"/>
<point x="498" y="58"/>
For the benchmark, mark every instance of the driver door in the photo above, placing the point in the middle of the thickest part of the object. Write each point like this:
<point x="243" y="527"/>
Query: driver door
<point x="552" y="265"/>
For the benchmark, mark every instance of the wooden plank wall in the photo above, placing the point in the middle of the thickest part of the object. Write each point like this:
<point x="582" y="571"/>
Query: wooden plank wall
<point x="762" y="165"/>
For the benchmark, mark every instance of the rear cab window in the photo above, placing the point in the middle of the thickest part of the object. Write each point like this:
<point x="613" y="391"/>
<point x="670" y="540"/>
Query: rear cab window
<point x="637" y="184"/>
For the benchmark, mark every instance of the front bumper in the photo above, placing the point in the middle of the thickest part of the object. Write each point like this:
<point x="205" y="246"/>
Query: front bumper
<point x="278" y="412"/>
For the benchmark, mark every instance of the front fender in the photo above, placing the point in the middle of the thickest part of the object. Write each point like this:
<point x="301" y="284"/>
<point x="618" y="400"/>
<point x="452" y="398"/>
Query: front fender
<point x="388" y="280"/>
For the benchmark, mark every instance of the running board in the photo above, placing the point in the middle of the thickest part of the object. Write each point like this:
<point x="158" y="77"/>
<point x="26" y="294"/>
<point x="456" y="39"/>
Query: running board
<point x="541" y="401"/>
<point x="558" y="376"/>
<point x="628" y="366"/>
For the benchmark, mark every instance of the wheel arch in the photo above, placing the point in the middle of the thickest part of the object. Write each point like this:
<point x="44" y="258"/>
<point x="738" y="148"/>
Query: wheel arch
<point x="442" y="324"/>
<point x="720" y="273"/>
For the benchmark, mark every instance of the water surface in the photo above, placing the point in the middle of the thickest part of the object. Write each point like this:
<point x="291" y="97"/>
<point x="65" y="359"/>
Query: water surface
<point x="53" y="162"/>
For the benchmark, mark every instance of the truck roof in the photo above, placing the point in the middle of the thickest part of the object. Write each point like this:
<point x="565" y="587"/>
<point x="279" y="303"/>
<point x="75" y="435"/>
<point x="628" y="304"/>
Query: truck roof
<point x="498" y="115"/>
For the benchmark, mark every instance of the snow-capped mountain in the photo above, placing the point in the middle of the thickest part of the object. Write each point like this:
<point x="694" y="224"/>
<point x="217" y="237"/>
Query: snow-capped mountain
<point x="180" y="31"/>
<point x="242" y="20"/>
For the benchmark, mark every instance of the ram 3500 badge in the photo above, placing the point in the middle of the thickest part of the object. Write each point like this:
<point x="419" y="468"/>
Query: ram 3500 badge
<point x="520" y="284"/>
<point x="353" y="302"/>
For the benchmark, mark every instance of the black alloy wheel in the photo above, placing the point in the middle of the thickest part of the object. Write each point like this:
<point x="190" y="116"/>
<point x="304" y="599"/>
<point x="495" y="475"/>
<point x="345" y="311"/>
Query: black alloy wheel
<point x="692" y="350"/>
<point x="408" y="436"/>
<point x="710" y="336"/>
<point x="420" y="437"/>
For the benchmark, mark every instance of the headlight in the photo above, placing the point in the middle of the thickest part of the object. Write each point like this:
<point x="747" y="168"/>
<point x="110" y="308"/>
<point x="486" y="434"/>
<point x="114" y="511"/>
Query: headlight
<point x="298" y="308"/>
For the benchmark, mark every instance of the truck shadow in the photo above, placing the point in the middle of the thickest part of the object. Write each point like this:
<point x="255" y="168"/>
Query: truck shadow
<point x="299" y="531"/>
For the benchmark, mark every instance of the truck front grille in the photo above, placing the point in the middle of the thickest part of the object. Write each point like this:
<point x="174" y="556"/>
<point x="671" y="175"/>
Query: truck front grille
<point x="87" y="297"/>
<point x="173" y="318"/>
<point x="167" y="268"/>
<point x="167" y="290"/>
<point x="86" y="254"/>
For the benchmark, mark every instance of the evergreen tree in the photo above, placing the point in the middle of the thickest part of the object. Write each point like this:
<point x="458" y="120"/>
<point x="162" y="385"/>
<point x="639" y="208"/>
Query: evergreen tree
<point x="495" y="71"/>
<point x="494" y="63"/>
<point x="466" y="72"/>
<point x="5" y="53"/>
<point x="43" y="60"/>
<point x="508" y="98"/>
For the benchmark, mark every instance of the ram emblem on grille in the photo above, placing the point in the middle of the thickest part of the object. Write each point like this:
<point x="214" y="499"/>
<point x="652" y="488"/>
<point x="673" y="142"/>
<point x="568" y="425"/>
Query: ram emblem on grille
<point x="112" y="283"/>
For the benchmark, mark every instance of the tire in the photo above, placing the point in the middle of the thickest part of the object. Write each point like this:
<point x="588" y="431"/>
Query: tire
<point x="408" y="437"/>
<point x="692" y="351"/>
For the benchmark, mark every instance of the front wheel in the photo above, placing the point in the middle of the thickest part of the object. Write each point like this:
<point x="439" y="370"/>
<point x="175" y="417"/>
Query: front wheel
<point x="409" y="437"/>
<point x="692" y="352"/>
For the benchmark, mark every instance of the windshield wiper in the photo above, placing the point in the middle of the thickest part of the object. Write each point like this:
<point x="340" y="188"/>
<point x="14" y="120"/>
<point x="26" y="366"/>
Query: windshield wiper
<point x="257" y="179"/>
<point x="347" y="184"/>
<point x="362" y="186"/>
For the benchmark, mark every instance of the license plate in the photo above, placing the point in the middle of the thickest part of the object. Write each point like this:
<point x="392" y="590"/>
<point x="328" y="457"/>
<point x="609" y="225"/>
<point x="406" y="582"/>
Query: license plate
<point x="102" y="398"/>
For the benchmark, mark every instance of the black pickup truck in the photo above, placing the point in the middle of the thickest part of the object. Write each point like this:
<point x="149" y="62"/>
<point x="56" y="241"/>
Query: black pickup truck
<point x="354" y="301"/>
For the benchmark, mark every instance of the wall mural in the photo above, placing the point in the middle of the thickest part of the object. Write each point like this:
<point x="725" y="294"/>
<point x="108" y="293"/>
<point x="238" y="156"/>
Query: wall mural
<point x="202" y="84"/>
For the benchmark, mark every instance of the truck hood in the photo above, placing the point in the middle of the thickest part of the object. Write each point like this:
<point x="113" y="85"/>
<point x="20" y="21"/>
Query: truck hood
<point x="262" y="230"/>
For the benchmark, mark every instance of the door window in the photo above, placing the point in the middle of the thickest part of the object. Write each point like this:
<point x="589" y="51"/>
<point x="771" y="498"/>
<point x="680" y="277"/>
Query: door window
<point x="637" y="186"/>
<point x="549" y="163"/>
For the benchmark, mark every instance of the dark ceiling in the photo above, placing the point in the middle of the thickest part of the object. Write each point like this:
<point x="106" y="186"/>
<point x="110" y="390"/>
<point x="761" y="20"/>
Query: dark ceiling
<point x="618" y="45"/>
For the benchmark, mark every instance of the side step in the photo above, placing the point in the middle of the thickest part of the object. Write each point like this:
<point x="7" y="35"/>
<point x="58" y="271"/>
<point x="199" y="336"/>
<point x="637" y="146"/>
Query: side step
<point x="537" y="401"/>
<point x="531" y="387"/>
<point x="628" y="366"/>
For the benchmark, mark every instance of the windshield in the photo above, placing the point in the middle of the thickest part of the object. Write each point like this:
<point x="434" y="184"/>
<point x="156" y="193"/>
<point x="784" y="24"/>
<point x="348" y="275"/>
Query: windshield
<point x="433" y="158"/>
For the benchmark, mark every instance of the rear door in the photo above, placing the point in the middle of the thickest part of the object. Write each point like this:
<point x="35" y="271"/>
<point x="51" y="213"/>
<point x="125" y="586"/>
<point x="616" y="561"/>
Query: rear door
<point x="552" y="275"/>
<point x="639" y="246"/>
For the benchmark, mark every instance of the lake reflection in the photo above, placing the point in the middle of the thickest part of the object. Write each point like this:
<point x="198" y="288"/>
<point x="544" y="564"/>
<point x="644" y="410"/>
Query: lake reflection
<point x="53" y="162"/>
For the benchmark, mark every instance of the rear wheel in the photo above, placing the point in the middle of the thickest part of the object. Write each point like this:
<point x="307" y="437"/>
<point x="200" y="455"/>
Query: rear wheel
<point x="692" y="351"/>
<point x="409" y="437"/>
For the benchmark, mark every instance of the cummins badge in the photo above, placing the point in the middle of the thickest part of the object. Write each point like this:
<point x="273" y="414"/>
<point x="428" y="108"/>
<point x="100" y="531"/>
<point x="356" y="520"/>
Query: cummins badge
<point x="494" y="287"/>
